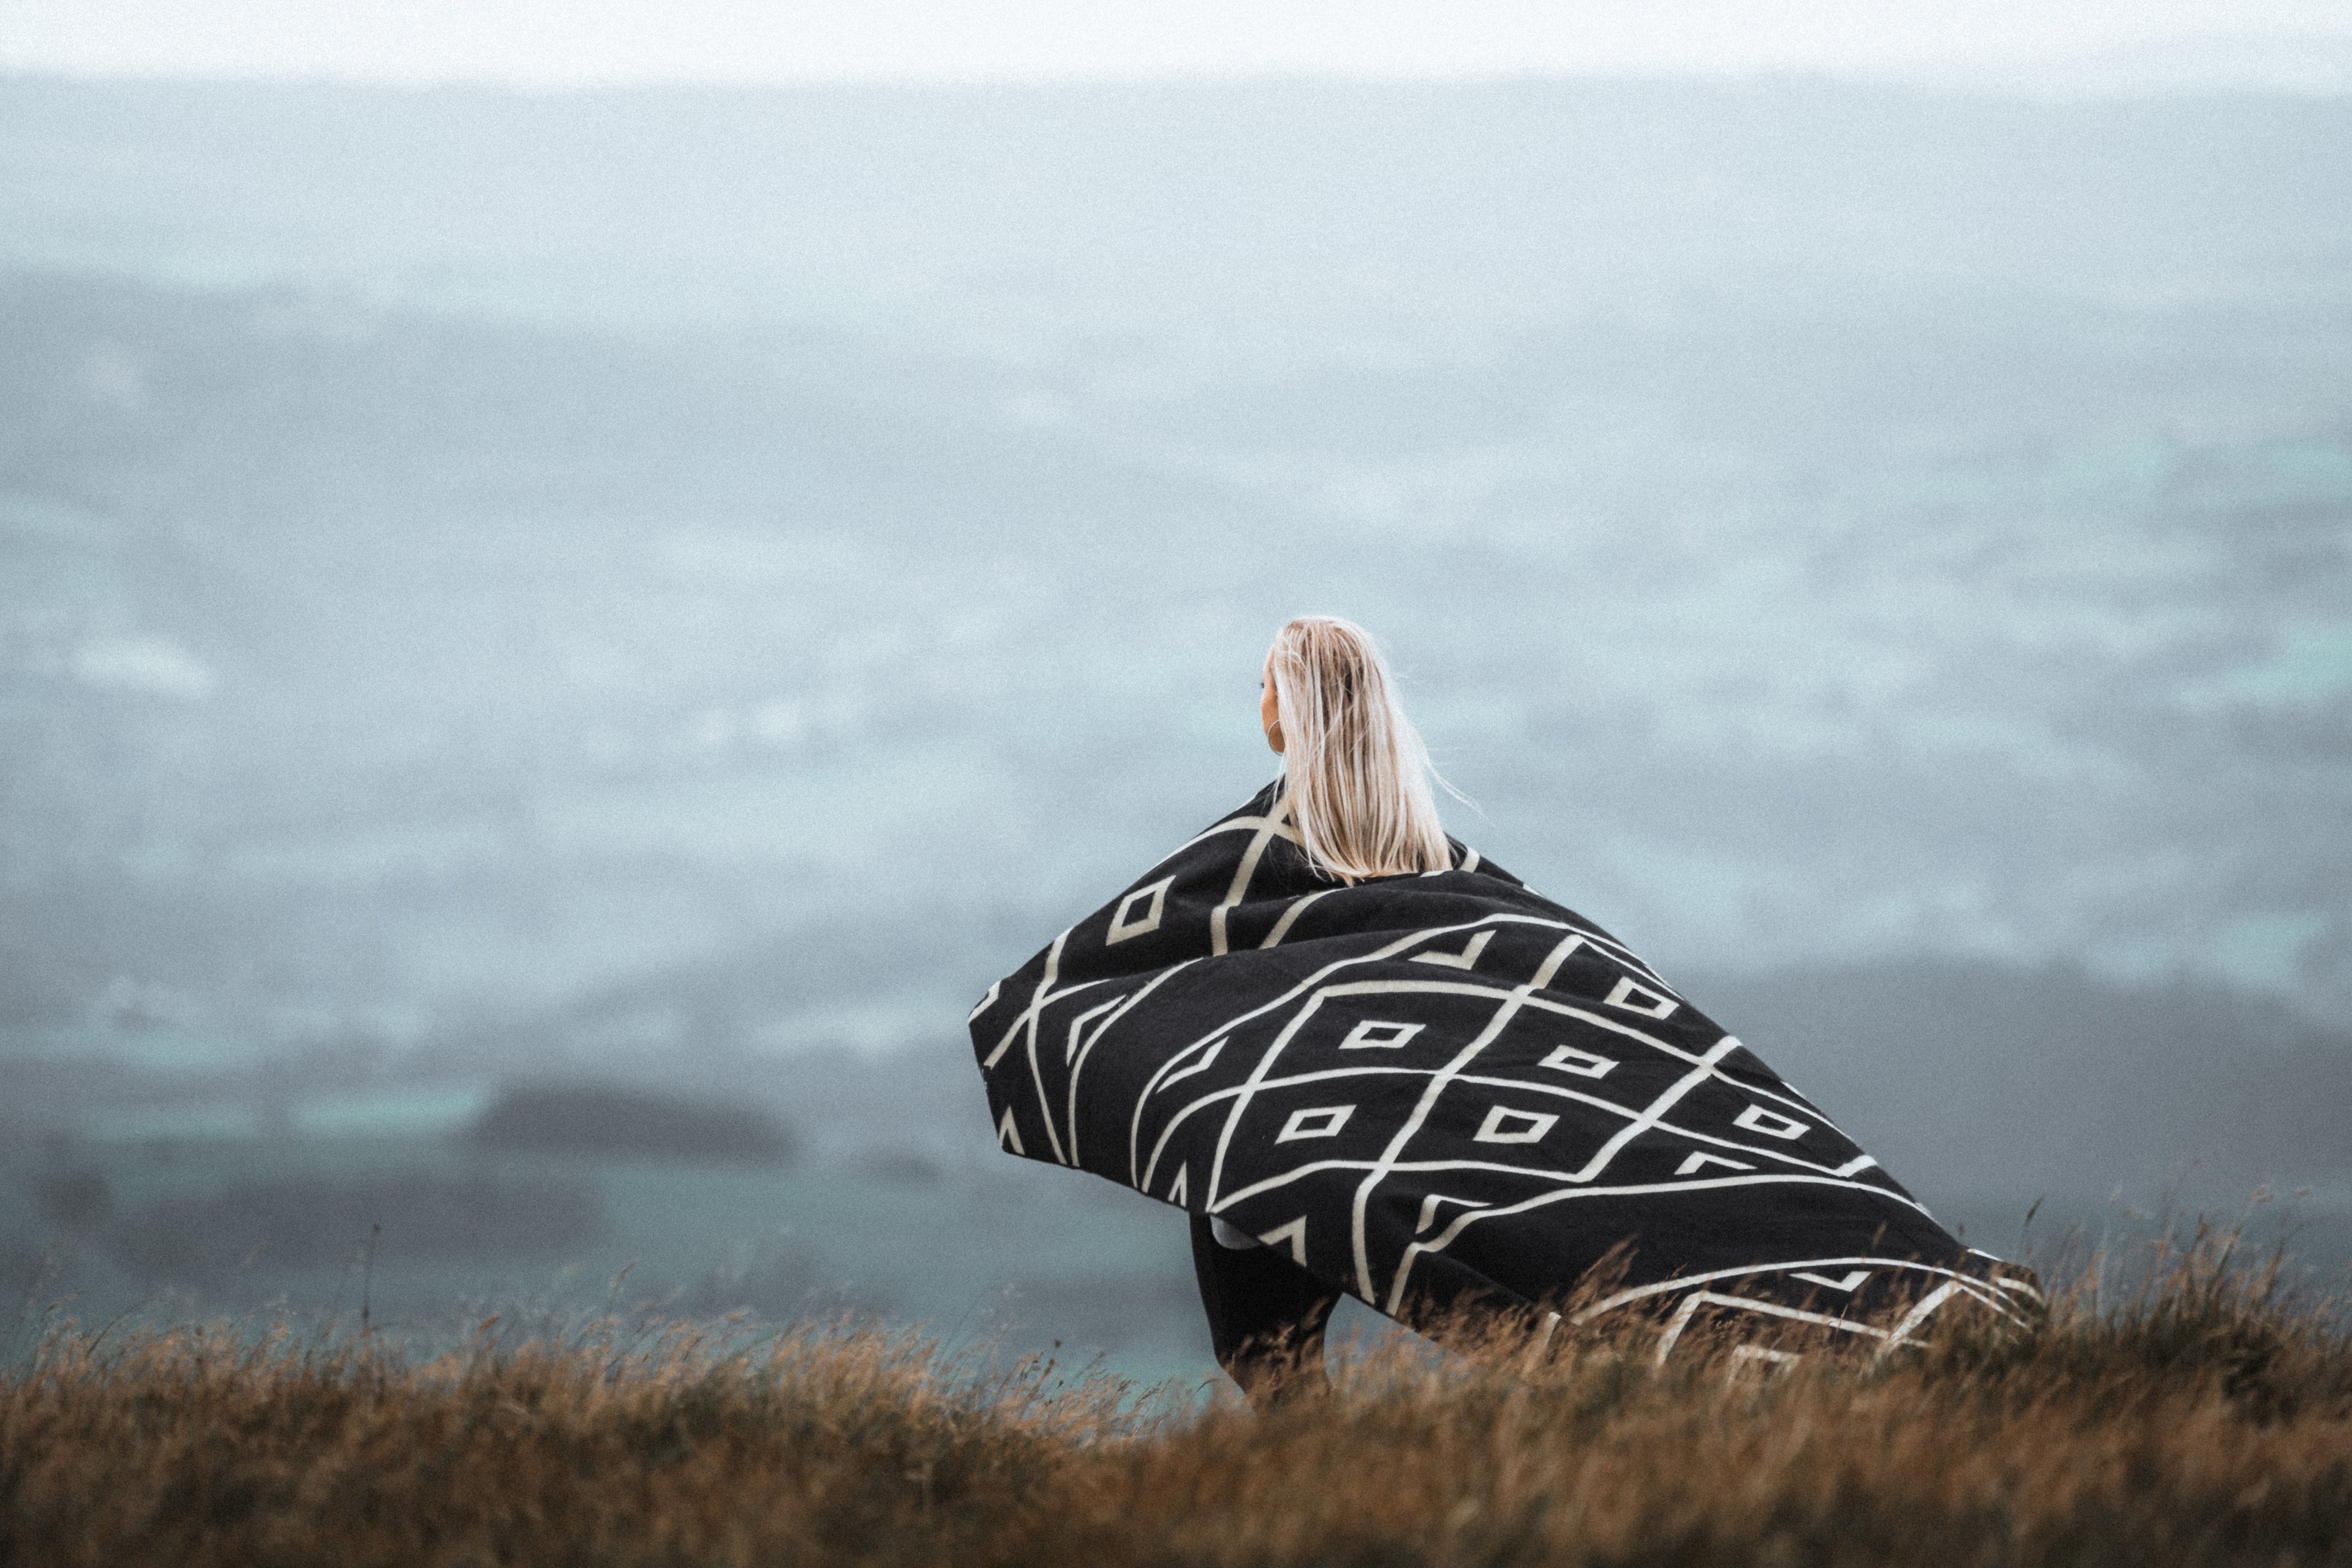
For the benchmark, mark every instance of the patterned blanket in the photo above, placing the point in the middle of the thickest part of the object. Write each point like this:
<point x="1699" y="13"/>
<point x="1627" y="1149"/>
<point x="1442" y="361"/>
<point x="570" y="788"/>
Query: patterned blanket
<point x="1442" y="1089"/>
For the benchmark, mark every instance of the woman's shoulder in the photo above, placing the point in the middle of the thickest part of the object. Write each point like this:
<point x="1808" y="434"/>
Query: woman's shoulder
<point x="1465" y="858"/>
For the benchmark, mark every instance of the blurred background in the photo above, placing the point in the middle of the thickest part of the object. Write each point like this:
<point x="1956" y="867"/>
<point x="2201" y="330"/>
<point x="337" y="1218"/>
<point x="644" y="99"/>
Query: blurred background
<point x="574" y="585"/>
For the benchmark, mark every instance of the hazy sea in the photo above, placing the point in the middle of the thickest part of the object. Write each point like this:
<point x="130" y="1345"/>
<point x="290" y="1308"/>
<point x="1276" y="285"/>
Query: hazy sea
<point x="687" y="587"/>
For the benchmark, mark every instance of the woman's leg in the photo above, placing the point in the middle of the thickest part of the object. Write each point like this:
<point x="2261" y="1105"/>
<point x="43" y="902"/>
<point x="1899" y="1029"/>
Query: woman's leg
<point x="1265" y="1317"/>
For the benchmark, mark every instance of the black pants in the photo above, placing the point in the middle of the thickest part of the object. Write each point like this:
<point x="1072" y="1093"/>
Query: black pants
<point x="1266" y="1315"/>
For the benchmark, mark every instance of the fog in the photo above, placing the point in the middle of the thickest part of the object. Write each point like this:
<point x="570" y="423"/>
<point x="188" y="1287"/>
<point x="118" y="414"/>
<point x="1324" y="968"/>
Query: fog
<point x="679" y="589"/>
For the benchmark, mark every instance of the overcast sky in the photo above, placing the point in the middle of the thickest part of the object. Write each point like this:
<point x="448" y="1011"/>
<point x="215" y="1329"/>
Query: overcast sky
<point x="557" y="42"/>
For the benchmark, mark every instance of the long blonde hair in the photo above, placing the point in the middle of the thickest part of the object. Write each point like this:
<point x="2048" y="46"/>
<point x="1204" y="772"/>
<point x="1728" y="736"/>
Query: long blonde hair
<point x="1358" y="775"/>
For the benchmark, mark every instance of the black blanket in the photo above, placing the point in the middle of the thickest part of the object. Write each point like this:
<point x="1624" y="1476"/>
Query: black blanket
<point x="1441" y="1088"/>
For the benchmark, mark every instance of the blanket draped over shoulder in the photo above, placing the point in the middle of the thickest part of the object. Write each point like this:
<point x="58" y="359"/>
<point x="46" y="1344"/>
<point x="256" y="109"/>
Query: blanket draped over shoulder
<point x="1439" y="1090"/>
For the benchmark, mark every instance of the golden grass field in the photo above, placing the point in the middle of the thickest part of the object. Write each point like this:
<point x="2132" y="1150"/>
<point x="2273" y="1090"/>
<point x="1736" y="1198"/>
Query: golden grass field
<point x="2204" y="1418"/>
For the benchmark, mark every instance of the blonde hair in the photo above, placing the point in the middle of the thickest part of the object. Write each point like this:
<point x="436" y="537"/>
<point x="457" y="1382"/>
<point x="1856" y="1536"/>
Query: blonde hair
<point x="1357" y="775"/>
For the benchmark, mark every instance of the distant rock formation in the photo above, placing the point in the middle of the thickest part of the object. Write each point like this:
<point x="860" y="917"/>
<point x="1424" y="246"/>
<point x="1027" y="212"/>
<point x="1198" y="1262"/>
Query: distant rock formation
<point x="615" y="1120"/>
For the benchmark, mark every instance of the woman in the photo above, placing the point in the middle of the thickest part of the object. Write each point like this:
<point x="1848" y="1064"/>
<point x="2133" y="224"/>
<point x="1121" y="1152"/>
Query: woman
<point x="1357" y="777"/>
<point x="1365" y="1060"/>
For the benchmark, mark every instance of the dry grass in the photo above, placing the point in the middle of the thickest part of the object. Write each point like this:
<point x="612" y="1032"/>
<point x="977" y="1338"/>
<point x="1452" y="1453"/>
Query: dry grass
<point x="2203" y="1420"/>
